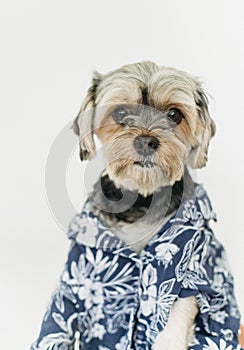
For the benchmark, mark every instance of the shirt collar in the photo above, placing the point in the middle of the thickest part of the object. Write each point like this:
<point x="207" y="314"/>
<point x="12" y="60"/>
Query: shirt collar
<point x="87" y="229"/>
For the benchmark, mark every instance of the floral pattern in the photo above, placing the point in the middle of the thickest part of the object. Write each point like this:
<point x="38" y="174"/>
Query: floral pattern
<point x="221" y="345"/>
<point x="118" y="300"/>
<point x="165" y="252"/>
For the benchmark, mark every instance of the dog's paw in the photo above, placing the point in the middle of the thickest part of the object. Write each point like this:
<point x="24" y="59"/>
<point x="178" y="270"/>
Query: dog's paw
<point x="169" y="346"/>
<point x="166" y="341"/>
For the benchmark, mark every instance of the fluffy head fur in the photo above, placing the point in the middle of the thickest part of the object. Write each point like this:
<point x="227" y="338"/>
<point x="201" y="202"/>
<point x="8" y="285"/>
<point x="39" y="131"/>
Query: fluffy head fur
<point x="148" y="93"/>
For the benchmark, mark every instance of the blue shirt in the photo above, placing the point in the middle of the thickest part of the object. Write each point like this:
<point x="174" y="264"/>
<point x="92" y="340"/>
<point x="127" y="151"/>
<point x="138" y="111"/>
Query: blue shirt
<point x="118" y="300"/>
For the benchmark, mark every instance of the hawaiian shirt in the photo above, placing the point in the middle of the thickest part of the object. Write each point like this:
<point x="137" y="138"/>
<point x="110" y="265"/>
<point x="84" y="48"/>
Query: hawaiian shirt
<point x="115" y="299"/>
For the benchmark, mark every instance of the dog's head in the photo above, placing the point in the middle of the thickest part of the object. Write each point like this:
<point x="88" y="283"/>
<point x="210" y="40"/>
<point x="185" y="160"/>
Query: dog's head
<point x="152" y="122"/>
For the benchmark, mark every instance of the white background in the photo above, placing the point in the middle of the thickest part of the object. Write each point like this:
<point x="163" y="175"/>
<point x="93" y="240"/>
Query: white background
<point x="48" y="50"/>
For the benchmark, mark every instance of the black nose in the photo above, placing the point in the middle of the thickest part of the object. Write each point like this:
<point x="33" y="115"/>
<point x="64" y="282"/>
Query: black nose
<point x="145" y="145"/>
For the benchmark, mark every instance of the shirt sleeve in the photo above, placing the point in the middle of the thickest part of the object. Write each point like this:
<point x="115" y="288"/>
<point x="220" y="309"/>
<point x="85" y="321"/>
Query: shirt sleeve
<point x="209" y="278"/>
<point x="60" y="320"/>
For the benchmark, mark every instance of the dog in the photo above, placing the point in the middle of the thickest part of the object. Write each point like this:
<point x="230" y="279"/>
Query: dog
<point x="154" y="126"/>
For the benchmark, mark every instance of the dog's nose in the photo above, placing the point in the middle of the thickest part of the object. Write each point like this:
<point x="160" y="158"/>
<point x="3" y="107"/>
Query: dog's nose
<point x="145" y="145"/>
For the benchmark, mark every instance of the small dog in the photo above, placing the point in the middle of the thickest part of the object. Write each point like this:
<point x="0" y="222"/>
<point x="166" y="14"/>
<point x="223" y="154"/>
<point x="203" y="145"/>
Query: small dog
<point x="154" y="125"/>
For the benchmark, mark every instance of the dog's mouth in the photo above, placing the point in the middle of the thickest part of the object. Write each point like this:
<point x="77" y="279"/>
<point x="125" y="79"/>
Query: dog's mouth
<point x="145" y="163"/>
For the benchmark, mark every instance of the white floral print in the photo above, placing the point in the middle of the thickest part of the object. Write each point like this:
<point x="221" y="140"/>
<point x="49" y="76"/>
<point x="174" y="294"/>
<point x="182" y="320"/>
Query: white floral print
<point x="213" y="346"/>
<point x="61" y="340"/>
<point x="97" y="331"/>
<point x="165" y="253"/>
<point x="149" y="290"/>
<point x="123" y="344"/>
<point x="85" y="229"/>
<point x="219" y="316"/>
<point x="118" y="300"/>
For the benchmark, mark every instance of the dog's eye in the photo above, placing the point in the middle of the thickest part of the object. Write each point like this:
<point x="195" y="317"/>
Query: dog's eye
<point x="119" y="113"/>
<point x="175" y="115"/>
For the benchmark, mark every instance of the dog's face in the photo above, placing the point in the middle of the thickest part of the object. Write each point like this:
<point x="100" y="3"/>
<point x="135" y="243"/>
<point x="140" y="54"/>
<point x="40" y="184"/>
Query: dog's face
<point x="152" y="122"/>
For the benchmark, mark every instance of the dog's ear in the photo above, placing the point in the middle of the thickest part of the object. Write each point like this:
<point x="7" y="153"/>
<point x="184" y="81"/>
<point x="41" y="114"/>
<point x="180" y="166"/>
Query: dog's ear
<point x="83" y="123"/>
<point x="199" y="154"/>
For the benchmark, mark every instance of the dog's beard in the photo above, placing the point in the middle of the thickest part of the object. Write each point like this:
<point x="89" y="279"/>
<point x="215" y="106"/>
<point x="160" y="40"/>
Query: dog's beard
<point x="145" y="174"/>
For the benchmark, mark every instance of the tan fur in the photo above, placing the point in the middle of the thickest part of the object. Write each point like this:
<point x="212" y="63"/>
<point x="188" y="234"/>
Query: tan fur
<point x="120" y="156"/>
<point x="167" y="88"/>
